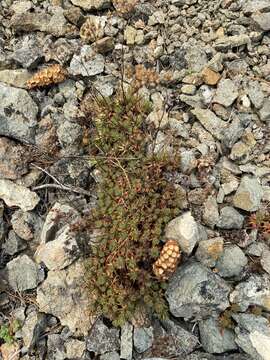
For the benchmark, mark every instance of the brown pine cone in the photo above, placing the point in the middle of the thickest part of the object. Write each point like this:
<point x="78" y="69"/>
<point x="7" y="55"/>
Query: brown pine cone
<point x="54" y="74"/>
<point x="168" y="260"/>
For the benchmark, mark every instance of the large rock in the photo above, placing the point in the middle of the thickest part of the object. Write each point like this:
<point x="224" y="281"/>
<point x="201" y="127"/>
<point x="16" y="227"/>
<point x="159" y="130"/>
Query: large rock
<point x="87" y="63"/>
<point x="210" y="122"/>
<point x="63" y="295"/>
<point x="253" y="292"/>
<point x="248" y="195"/>
<point x="253" y="335"/>
<point x="102" y="339"/>
<point x="262" y="20"/>
<point x="92" y="4"/>
<point x="18" y="113"/>
<point x="13" y="163"/>
<point x="230" y="218"/>
<point x="18" y="195"/>
<point x="214" y="340"/>
<point x="226" y="93"/>
<point x="231" y="262"/>
<point x="196" y="292"/>
<point x="209" y="251"/>
<point x="23" y="273"/>
<point x="252" y="6"/>
<point x="185" y="231"/>
<point x="16" y="78"/>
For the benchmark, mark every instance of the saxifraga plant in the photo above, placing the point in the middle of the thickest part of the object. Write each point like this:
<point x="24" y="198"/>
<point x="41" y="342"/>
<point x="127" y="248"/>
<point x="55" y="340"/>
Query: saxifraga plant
<point x="135" y="201"/>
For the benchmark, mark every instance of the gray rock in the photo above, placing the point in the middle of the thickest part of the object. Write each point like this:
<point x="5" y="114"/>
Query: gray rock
<point x="33" y="326"/>
<point x="256" y="249"/>
<point x="187" y="161"/>
<point x="231" y="262"/>
<point x="62" y="294"/>
<point x="23" y="273"/>
<point x="28" y="52"/>
<point x="248" y="195"/>
<point x="87" y="63"/>
<point x="56" y="347"/>
<point x="255" y="94"/>
<point x="210" y="122"/>
<point x="226" y="92"/>
<point x="143" y="338"/>
<point x="230" y="218"/>
<point x="210" y="211"/>
<point x="254" y="291"/>
<point x="195" y="292"/>
<point x="229" y="42"/>
<point x="126" y="341"/>
<point x="264" y="112"/>
<point x="102" y="339"/>
<point x="252" y="6"/>
<point x="25" y="224"/>
<point x="185" y="230"/>
<point x="75" y="348"/>
<point x="18" y="195"/>
<point x="265" y="260"/>
<point x="69" y="134"/>
<point x="262" y="20"/>
<point x="232" y="132"/>
<point x="180" y="341"/>
<point x="213" y="340"/>
<point x="55" y="24"/>
<point x="196" y="58"/>
<point x="209" y="251"/>
<point x="13" y="244"/>
<point x="13" y="163"/>
<point x="110" y="356"/>
<point x="18" y="113"/>
<point x="253" y="335"/>
<point x="92" y="4"/>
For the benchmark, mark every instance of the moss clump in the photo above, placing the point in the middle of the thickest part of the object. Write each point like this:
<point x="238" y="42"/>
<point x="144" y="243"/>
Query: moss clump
<point x="135" y="201"/>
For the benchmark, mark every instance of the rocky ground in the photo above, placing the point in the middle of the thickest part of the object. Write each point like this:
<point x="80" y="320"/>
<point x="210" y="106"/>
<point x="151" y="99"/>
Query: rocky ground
<point x="213" y="96"/>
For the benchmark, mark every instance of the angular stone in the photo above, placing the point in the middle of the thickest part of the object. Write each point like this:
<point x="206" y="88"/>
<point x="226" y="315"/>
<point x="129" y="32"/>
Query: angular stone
<point x="255" y="291"/>
<point x="23" y="273"/>
<point x="231" y="262"/>
<point x="229" y="42"/>
<point x="230" y="218"/>
<point x="143" y="338"/>
<point x="210" y="211"/>
<point x="248" y="195"/>
<point x="126" y="342"/>
<point x="87" y="63"/>
<point x="196" y="292"/>
<point x="209" y="251"/>
<point x="92" y="4"/>
<point x="16" y="78"/>
<point x="226" y="93"/>
<point x="59" y="253"/>
<point x="252" y="6"/>
<point x="25" y="224"/>
<point x="265" y="260"/>
<point x="13" y="162"/>
<point x="75" y="348"/>
<point x="103" y="339"/>
<point x="62" y="294"/>
<point x="255" y="94"/>
<point x="264" y="112"/>
<point x="213" y="340"/>
<point x="13" y="244"/>
<point x="18" y="195"/>
<point x="196" y="58"/>
<point x="18" y="113"/>
<point x="210" y="122"/>
<point x="185" y="231"/>
<point x="210" y="77"/>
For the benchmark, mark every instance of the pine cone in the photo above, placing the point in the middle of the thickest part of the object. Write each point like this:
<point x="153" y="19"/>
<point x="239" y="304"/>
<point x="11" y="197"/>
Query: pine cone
<point x="54" y="74"/>
<point x="168" y="260"/>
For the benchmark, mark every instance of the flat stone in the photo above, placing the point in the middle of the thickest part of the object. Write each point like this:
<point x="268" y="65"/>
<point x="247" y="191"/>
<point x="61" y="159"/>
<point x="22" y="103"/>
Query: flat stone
<point x="92" y="4"/>
<point x="265" y="260"/>
<point x="210" y="77"/>
<point x="209" y="251"/>
<point x="87" y="63"/>
<point x="264" y="112"/>
<point x="213" y="340"/>
<point x="13" y="244"/>
<point x="110" y="356"/>
<point x="62" y="294"/>
<point x="18" y="113"/>
<point x="252" y="6"/>
<point x="185" y="231"/>
<point x="18" y="195"/>
<point x="196" y="58"/>
<point x="226" y="93"/>
<point x="255" y="94"/>
<point x="126" y="342"/>
<point x="210" y="211"/>
<point x="196" y="292"/>
<point x="16" y="78"/>
<point x="25" y="224"/>
<point x="23" y="273"/>
<point x="13" y="162"/>
<point x="248" y="195"/>
<point x="210" y="122"/>
<point x="255" y="291"/>
<point x="230" y="218"/>
<point x="103" y="339"/>
<point x="229" y="42"/>
<point x="143" y="338"/>
<point x="231" y="262"/>
<point x="59" y="253"/>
